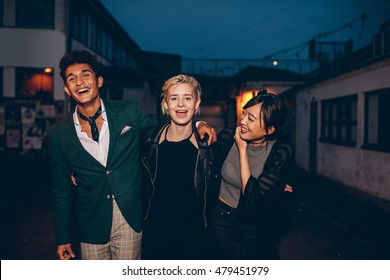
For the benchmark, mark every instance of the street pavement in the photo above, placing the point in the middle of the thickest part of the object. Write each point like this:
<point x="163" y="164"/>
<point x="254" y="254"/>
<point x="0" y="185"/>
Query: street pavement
<point x="323" y="220"/>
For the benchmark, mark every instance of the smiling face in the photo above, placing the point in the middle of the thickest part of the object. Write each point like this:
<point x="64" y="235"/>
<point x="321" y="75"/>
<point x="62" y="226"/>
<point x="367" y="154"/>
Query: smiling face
<point x="252" y="128"/>
<point x="82" y="84"/>
<point x="181" y="104"/>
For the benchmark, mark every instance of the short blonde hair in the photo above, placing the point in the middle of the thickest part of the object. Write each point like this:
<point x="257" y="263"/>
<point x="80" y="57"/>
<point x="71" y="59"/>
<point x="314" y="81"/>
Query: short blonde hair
<point x="178" y="80"/>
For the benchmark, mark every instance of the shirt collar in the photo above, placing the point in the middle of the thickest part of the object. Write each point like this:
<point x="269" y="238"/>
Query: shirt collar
<point x="76" y="119"/>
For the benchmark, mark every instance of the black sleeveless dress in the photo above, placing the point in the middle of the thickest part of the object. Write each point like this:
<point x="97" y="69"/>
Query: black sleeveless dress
<point x="174" y="228"/>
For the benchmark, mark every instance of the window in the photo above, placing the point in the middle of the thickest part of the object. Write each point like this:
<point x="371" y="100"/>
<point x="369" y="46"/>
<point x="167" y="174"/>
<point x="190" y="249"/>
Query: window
<point x="37" y="13"/>
<point x="109" y="50"/>
<point x="1" y="13"/>
<point x="34" y="82"/>
<point x="80" y="27"/>
<point x="339" y="120"/>
<point x="117" y="55"/>
<point x="377" y="115"/>
<point x="98" y="39"/>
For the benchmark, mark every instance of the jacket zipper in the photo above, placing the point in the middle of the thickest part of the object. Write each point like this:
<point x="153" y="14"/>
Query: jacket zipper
<point x="205" y="190"/>
<point x="152" y="181"/>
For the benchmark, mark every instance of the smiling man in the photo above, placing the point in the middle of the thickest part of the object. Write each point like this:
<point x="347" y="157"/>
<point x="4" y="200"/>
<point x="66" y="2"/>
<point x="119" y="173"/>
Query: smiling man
<point x="99" y="144"/>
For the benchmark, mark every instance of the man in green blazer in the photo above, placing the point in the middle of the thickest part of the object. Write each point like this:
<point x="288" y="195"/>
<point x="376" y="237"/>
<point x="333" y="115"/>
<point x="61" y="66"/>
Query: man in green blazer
<point x="99" y="145"/>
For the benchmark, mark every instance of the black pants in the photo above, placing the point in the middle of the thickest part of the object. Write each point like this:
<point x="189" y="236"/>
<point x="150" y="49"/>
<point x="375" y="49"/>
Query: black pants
<point x="229" y="239"/>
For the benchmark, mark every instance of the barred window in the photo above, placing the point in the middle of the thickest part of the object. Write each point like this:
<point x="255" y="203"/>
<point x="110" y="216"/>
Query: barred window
<point x="339" y="120"/>
<point x="79" y="27"/>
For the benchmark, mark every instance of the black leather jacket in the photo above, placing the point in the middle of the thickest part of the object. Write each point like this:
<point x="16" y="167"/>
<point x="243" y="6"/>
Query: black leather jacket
<point x="203" y="179"/>
<point x="260" y="193"/>
<point x="261" y="203"/>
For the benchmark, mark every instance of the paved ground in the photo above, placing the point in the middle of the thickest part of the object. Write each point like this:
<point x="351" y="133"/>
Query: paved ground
<point x="328" y="222"/>
<point x="324" y="222"/>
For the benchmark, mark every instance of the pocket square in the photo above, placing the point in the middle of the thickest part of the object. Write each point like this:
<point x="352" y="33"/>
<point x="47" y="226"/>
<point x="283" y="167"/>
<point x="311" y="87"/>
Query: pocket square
<point x="126" y="129"/>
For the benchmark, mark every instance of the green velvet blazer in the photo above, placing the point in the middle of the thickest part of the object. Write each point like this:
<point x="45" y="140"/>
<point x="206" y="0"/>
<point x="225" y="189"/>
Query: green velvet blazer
<point x="96" y="183"/>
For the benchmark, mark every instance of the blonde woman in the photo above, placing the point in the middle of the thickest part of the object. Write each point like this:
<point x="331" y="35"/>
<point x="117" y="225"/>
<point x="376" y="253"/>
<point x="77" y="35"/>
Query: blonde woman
<point x="177" y="177"/>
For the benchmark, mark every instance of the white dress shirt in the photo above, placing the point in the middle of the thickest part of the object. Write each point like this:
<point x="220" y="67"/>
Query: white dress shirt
<point x="99" y="150"/>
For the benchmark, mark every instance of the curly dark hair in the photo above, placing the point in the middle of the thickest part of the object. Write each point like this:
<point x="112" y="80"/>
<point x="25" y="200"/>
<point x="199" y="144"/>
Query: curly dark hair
<point x="274" y="111"/>
<point x="80" y="57"/>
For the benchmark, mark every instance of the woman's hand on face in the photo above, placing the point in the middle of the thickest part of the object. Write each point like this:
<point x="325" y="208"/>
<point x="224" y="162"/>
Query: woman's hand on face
<point x="241" y="144"/>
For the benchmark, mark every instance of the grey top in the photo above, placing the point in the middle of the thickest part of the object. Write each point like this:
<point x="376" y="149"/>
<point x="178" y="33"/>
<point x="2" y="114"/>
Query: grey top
<point x="230" y="173"/>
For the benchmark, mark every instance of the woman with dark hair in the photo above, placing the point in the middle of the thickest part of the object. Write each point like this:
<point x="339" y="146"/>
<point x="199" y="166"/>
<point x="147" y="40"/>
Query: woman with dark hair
<point x="253" y="161"/>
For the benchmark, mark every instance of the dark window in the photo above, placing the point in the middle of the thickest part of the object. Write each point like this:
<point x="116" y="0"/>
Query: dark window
<point x="100" y="41"/>
<point x="34" y="83"/>
<point x="117" y="55"/>
<point x="377" y="115"/>
<point x="109" y="50"/>
<point x="37" y="13"/>
<point x="339" y="120"/>
<point x="93" y="41"/>
<point x="80" y="27"/>
<point x="1" y="13"/>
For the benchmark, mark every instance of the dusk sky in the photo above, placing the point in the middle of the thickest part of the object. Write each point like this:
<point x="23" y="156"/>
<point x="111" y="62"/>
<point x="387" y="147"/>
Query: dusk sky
<point x="245" y="29"/>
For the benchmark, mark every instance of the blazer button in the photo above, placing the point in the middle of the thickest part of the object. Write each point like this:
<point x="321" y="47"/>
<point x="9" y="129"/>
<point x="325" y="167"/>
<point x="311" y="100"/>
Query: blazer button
<point x="108" y="172"/>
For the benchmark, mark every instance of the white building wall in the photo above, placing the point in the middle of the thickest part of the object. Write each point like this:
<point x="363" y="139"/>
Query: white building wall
<point x="9" y="81"/>
<point x="366" y="170"/>
<point x="302" y="118"/>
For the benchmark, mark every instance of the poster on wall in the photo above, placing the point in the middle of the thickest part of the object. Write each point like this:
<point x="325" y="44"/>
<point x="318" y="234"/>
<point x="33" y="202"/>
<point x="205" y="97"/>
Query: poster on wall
<point x="50" y="112"/>
<point x="13" y="138"/>
<point x="27" y="141"/>
<point x="27" y="115"/>
<point x="12" y="115"/>
<point x="32" y="136"/>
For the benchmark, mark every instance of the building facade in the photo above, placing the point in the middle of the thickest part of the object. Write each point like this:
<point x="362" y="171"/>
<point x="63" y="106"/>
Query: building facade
<point x="341" y="119"/>
<point x="34" y="36"/>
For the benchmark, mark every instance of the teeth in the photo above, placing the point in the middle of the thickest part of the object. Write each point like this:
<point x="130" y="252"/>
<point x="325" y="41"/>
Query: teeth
<point x="82" y="90"/>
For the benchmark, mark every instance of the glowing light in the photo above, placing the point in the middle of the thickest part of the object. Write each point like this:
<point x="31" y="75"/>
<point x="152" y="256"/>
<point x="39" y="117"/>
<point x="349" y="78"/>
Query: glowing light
<point x="242" y="99"/>
<point x="275" y="62"/>
<point x="48" y="70"/>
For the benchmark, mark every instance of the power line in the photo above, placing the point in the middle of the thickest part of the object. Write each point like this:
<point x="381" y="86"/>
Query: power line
<point x="362" y="18"/>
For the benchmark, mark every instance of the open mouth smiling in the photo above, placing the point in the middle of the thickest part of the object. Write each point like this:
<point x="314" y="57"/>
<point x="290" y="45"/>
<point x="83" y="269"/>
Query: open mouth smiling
<point x="83" y="90"/>
<point x="181" y="113"/>
<point x="243" y="130"/>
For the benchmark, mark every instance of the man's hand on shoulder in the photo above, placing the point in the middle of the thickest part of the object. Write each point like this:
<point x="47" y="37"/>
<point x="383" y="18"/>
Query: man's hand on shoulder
<point x="203" y="129"/>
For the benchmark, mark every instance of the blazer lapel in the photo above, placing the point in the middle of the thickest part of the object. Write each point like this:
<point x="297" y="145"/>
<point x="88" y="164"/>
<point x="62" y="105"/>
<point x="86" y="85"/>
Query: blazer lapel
<point x="112" y="119"/>
<point x="76" y="142"/>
